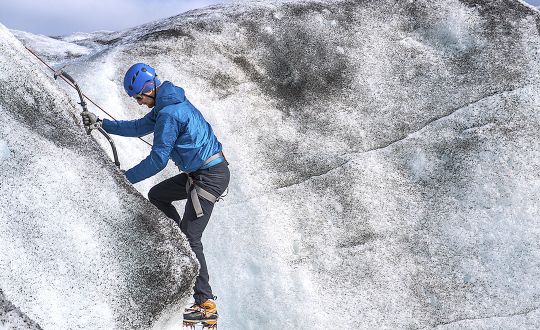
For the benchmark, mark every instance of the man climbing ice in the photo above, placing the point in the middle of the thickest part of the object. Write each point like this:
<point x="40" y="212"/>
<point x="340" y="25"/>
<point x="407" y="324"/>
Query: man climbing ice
<point x="182" y="134"/>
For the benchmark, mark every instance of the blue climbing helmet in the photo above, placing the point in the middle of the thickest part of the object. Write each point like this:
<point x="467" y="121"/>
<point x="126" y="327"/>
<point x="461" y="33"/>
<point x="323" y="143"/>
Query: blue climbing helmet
<point x="140" y="78"/>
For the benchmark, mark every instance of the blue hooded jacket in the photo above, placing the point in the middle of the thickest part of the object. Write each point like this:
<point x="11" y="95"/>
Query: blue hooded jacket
<point x="180" y="133"/>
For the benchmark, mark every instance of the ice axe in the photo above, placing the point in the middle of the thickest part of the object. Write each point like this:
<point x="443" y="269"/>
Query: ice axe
<point x="85" y="109"/>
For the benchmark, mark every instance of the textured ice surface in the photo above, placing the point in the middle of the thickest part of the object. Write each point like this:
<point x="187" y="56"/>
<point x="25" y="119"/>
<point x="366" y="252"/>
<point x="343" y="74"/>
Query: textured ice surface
<point x="11" y="317"/>
<point x="384" y="157"/>
<point x="81" y="249"/>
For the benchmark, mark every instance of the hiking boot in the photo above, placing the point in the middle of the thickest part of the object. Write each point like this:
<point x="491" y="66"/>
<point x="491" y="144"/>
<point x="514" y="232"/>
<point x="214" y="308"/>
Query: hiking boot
<point x="205" y="313"/>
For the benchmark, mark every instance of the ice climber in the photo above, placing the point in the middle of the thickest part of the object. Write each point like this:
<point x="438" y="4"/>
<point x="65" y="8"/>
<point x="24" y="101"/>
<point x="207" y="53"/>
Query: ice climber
<point x="182" y="134"/>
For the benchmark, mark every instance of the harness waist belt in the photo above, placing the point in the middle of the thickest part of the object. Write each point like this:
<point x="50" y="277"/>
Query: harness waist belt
<point x="210" y="161"/>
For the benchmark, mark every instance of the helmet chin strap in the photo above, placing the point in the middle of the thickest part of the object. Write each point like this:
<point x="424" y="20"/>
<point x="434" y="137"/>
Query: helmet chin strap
<point x="155" y="91"/>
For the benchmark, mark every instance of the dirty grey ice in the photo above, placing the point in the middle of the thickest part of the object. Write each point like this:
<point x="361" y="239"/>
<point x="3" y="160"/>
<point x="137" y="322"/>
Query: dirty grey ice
<point x="384" y="157"/>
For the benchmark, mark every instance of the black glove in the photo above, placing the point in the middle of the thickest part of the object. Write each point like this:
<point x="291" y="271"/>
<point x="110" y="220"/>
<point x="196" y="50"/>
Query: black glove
<point x="89" y="118"/>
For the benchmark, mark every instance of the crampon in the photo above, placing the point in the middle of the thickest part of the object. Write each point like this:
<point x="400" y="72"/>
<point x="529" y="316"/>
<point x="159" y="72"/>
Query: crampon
<point x="199" y="325"/>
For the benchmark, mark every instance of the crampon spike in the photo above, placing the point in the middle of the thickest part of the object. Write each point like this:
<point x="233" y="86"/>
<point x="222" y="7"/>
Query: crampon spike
<point x="199" y="326"/>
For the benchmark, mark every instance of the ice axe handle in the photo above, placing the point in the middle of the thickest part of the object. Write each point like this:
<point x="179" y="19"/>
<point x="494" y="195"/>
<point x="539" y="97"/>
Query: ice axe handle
<point x="108" y="137"/>
<point x="68" y="77"/>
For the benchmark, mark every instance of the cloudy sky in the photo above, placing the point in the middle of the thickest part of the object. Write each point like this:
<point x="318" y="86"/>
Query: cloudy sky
<point x="58" y="17"/>
<point x="533" y="2"/>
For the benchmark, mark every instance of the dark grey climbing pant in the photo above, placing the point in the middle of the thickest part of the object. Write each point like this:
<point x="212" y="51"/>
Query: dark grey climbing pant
<point x="214" y="180"/>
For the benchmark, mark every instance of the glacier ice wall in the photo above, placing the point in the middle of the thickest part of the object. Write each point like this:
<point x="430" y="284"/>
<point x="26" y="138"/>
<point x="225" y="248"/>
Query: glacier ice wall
<point x="384" y="157"/>
<point x="81" y="249"/>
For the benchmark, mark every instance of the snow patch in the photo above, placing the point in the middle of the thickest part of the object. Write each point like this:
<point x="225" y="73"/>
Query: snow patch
<point x="80" y="36"/>
<point x="278" y="15"/>
<point x="4" y="151"/>
<point x="55" y="50"/>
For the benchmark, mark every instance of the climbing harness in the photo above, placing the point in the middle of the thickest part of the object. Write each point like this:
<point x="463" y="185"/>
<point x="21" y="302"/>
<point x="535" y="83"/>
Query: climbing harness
<point x="197" y="191"/>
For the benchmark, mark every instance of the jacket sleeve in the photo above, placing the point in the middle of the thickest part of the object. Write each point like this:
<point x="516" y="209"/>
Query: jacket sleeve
<point x="132" y="128"/>
<point x="166" y="132"/>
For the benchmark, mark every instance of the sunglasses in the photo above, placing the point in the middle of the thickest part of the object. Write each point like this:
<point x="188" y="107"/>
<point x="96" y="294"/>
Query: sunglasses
<point x="139" y="96"/>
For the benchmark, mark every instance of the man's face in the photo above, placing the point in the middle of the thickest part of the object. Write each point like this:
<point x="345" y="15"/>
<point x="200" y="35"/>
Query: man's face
<point x="145" y="99"/>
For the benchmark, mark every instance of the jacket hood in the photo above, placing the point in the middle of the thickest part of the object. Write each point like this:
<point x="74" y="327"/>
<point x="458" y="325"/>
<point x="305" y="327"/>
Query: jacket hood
<point x="169" y="94"/>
